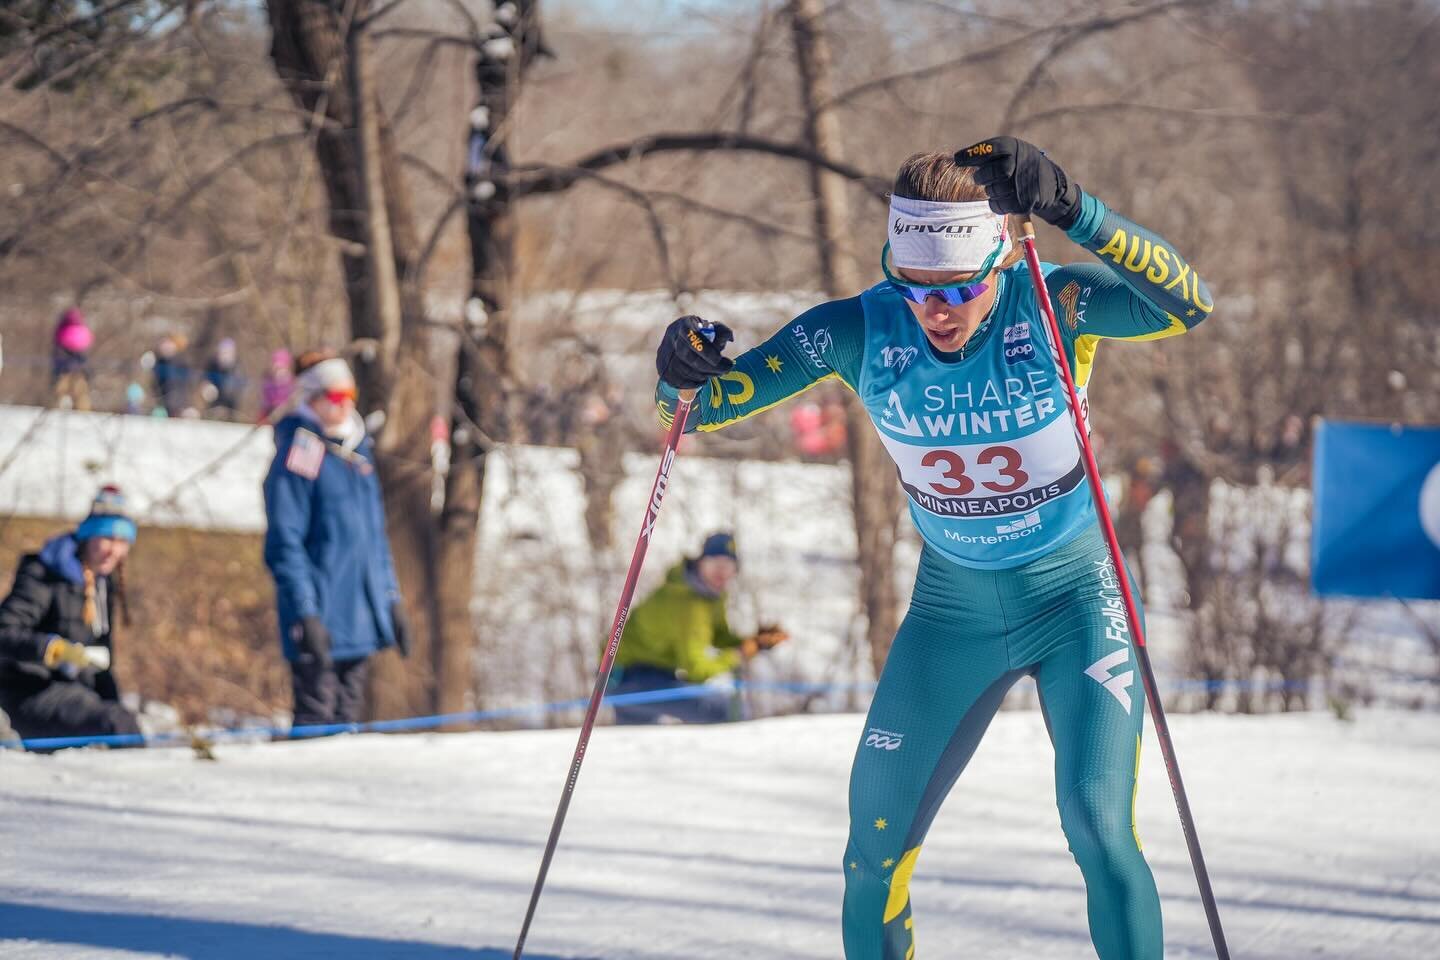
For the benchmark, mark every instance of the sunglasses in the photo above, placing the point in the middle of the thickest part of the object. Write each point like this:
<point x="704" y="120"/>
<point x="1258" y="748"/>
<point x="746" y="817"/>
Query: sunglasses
<point x="953" y="294"/>
<point x="337" y="397"/>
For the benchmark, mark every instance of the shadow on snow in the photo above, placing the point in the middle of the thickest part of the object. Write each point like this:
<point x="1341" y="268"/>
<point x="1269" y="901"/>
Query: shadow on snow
<point x="218" y="939"/>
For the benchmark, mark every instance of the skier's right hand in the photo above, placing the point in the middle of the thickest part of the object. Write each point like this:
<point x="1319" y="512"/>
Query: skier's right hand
<point x="691" y="352"/>
<point x="312" y="641"/>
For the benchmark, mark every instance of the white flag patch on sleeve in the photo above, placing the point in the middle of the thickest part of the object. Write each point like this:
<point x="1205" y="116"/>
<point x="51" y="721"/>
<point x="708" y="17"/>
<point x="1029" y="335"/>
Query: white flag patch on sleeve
<point x="307" y="453"/>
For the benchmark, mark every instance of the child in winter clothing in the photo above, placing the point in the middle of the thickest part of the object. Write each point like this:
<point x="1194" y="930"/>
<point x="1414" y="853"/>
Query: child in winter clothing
<point x="278" y="384"/>
<point x="57" y="632"/>
<point x="69" y="376"/>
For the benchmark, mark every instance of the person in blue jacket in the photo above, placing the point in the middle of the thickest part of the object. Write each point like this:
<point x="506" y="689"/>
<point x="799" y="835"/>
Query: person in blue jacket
<point x="325" y="545"/>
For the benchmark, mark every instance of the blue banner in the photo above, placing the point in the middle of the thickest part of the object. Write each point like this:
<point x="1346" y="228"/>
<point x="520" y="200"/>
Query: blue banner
<point x="1376" y="531"/>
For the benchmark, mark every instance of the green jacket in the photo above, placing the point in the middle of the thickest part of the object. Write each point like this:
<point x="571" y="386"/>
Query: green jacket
<point x="677" y="628"/>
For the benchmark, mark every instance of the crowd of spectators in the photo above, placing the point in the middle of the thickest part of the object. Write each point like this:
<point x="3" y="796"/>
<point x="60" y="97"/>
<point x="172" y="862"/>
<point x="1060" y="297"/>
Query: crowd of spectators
<point x="171" y="379"/>
<point x="337" y="596"/>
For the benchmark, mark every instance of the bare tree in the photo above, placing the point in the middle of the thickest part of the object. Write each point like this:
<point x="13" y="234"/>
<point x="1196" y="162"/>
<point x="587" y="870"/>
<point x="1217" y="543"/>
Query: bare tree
<point x="875" y="496"/>
<point x="506" y="48"/>
<point x="319" y="50"/>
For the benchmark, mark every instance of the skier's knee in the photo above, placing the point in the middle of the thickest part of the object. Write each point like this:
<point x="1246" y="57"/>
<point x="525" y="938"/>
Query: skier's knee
<point x="1098" y="819"/>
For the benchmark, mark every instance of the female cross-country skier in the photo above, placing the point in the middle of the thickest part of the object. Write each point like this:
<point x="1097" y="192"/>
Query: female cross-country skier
<point x="950" y="357"/>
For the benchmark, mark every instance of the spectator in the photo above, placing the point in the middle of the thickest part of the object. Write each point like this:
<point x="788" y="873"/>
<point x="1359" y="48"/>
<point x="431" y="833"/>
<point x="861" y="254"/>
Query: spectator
<point x="335" y="586"/>
<point x="57" y="636"/>
<point x="135" y="399"/>
<point x="278" y="384"/>
<point x="807" y="429"/>
<point x="70" y="375"/>
<point x="832" y="424"/>
<point x="172" y="376"/>
<point x="224" y="384"/>
<point x="679" y="635"/>
<point x="818" y="429"/>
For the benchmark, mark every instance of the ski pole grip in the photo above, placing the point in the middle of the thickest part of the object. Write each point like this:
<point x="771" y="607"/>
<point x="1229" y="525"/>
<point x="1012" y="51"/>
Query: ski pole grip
<point x="1027" y="227"/>
<point x="707" y="330"/>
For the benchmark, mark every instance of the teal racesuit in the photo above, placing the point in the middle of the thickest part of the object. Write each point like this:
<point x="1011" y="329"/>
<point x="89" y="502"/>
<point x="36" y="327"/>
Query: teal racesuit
<point x="1014" y="577"/>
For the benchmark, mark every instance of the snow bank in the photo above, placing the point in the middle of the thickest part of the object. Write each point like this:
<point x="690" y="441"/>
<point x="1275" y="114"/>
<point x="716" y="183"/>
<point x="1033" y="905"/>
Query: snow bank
<point x="543" y="601"/>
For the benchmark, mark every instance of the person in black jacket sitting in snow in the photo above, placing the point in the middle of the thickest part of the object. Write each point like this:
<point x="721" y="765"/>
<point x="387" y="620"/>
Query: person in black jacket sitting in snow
<point x="56" y="630"/>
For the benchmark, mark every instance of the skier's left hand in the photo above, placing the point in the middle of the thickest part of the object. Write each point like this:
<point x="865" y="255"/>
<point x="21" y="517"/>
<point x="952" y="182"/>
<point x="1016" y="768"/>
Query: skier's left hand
<point x="1020" y="178"/>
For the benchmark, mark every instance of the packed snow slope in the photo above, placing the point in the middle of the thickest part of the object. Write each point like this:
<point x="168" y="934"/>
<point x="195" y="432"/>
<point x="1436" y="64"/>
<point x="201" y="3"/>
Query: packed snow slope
<point x="694" y="842"/>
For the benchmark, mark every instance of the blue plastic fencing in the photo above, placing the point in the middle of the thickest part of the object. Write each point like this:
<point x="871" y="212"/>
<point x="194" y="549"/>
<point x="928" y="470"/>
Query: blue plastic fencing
<point x="433" y="721"/>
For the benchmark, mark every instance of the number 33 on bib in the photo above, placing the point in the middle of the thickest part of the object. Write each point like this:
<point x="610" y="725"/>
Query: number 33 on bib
<point x="979" y="498"/>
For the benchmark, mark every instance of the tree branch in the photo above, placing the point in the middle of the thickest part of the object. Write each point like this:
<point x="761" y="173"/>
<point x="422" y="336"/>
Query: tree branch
<point x="20" y="133"/>
<point x="1118" y="106"/>
<point x="80" y="21"/>
<point x="1072" y="35"/>
<point x="535" y="178"/>
<point x="935" y="69"/>
<point x="436" y="37"/>
<point x="385" y="8"/>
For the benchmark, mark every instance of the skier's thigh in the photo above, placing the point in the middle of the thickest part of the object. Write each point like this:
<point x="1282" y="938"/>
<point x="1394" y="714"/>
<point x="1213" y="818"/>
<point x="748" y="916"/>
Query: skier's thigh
<point x="935" y="698"/>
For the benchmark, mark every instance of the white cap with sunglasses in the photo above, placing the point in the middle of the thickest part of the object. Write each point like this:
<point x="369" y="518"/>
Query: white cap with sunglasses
<point x="328" y="376"/>
<point x="961" y="237"/>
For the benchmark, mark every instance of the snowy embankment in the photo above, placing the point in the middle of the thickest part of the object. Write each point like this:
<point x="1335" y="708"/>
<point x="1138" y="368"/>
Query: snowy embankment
<point x="792" y="521"/>
<point x="689" y="843"/>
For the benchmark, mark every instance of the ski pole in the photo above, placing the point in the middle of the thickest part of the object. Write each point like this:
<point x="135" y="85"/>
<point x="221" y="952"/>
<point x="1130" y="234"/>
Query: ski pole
<point x="1147" y="673"/>
<point x="607" y="660"/>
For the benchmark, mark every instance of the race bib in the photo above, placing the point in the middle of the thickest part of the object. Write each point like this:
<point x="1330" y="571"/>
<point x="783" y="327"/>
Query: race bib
<point x="990" y="478"/>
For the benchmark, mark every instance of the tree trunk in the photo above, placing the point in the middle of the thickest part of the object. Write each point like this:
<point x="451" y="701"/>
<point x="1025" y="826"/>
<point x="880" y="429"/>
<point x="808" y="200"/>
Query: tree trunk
<point x="875" y="496"/>
<point x="314" y="50"/>
<point x="479" y="415"/>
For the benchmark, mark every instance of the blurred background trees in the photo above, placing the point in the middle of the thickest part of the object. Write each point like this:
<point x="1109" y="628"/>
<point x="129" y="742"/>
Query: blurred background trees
<point x="218" y="169"/>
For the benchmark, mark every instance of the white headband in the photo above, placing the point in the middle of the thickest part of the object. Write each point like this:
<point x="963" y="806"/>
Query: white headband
<point x="929" y="235"/>
<point x="326" y="375"/>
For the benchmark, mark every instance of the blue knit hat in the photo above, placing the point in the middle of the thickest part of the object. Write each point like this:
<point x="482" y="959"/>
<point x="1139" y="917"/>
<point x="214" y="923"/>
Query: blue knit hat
<point x="108" y="517"/>
<point x="720" y="545"/>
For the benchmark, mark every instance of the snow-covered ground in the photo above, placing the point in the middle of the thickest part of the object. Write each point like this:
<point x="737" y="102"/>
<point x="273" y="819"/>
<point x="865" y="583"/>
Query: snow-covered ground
<point x="688" y="843"/>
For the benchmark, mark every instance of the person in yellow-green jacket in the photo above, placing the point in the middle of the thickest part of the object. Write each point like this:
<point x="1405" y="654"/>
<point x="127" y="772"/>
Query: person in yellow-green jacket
<point x="679" y="635"/>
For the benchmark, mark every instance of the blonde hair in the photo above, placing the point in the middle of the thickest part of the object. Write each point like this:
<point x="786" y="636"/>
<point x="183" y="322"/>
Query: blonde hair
<point x="937" y="177"/>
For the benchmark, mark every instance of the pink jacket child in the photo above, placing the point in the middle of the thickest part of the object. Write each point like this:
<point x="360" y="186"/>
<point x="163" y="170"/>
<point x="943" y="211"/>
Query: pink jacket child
<point x="278" y="384"/>
<point x="73" y="340"/>
<point x="68" y="376"/>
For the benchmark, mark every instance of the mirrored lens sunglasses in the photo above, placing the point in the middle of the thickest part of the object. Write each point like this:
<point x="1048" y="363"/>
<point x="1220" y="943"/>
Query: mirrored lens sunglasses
<point x="953" y="294"/>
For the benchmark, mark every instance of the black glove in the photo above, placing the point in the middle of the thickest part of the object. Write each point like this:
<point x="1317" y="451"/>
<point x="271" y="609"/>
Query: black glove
<point x="690" y="353"/>
<point x="312" y="641"/>
<point x="1019" y="178"/>
<point x="402" y="628"/>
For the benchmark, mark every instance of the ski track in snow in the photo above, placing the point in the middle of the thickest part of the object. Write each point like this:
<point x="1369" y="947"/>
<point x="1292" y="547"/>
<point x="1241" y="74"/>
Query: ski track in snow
<point x="690" y="842"/>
